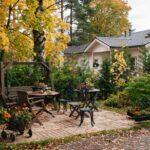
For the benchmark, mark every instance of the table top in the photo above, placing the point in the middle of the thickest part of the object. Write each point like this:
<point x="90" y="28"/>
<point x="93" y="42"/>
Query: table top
<point x="41" y="93"/>
<point x="90" y="90"/>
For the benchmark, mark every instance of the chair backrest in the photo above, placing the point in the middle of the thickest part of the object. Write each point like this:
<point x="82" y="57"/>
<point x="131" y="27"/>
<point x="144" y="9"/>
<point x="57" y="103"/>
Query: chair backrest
<point x="22" y="98"/>
<point x="83" y="94"/>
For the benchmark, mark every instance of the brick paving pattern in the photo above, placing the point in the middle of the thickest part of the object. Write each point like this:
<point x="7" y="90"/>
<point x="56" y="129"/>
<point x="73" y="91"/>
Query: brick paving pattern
<point x="62" y="125"/>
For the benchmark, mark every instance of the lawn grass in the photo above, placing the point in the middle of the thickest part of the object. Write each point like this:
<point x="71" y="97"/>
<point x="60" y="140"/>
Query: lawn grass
<point x="117" y="110"/>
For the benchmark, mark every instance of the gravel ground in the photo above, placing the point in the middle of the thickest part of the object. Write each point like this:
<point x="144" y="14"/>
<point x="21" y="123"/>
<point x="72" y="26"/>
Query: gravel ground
<point x="127" y="140"/>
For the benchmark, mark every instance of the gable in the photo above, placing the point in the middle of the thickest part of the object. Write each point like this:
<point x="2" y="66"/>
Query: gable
<point x="97" y="46"/>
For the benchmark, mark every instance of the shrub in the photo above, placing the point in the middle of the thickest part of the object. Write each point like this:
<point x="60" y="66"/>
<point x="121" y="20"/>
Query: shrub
<point x="105" y="83"/>
<point x="121" y="99"/>
<point x="69" y="76"/>
<point x="24" y="75"/>
<point x="135" y="95"/>
<point x="139" y="91"/>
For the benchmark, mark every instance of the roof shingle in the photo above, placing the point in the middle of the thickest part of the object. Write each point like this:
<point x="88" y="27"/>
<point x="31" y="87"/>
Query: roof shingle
<point x="140" y="38"/>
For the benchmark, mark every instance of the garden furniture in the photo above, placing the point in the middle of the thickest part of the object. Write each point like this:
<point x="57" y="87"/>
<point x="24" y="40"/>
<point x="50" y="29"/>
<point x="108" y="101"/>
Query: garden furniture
<point x="31" y="103"/>
<point x="65" y="101"/>
<point x="82" y="114"/>
<point x="76" y="106"/>
<point x="45" y="95"/>
<point x="88" y="97"/>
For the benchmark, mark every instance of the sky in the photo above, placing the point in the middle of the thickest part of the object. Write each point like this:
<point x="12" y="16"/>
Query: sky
<point x="139" y="16"/>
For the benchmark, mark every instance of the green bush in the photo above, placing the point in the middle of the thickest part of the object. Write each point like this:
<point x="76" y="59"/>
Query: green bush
<point x="136" y="94"/>
<point x="105" y="81"/>
<point x="24" y="75"/>
<point x="68" y="77"/>
<point x="121" y="99"/>
<point x="139" y="91"/>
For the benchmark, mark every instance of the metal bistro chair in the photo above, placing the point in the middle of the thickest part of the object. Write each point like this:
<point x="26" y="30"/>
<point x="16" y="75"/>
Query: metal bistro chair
<point x="89" y="107"/>
<point x="75" y="106"/>
<point x="66" y="100"/>
<point x="34" y="104"/>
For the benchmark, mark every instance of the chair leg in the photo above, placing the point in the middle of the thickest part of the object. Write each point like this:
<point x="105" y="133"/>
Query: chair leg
<point x="39" y="112"/>
<point x="65" y="106"/>
<point x="35" y="119"/>
<point x="49" y="113"/>
<point x="82" y="118"/>
<point x="59" y="104"/>
<point x="92" y="118"/>
<point x="72" y="110"/>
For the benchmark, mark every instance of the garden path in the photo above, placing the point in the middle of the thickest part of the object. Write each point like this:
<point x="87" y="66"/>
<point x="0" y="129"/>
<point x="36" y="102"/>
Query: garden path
<point x="62" y="125"/>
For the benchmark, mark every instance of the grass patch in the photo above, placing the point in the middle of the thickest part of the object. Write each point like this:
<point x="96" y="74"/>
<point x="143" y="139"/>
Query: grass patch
<point x="117" y="110"/>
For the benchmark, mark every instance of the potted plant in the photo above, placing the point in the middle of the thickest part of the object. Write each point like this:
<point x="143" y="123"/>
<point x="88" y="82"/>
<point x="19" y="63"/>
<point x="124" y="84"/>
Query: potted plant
<point x="4" y="116"/>
<point x="20" y="121"/>
<point x="138" y="115"/>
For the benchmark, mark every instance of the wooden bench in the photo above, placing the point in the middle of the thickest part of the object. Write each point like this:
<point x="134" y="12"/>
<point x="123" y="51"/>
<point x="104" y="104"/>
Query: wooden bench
<point x="11" y="92"/>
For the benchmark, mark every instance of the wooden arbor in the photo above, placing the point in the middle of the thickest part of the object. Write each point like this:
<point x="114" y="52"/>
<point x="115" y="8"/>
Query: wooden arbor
<point x="4" y="66"/>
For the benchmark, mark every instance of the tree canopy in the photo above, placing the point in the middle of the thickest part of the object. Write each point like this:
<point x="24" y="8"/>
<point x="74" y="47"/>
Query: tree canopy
<point x="110" y="17"/>
<point x="19" y="20"/>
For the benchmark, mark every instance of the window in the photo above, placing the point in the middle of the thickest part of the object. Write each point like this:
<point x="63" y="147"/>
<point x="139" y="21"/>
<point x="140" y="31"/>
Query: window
<point x="95" y="63"/>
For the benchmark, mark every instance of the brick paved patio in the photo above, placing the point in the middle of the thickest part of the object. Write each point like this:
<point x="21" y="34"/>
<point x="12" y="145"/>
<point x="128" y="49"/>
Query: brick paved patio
<point x="62" y="126"/>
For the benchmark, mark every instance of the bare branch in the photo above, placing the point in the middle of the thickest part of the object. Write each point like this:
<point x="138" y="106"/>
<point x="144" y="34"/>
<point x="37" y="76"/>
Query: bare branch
<point x="15" y="3"/>
<point x="9" y="15"/>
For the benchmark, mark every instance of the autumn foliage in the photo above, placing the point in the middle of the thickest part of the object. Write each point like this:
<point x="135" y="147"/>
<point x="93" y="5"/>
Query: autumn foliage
<point x="18" y="19"/>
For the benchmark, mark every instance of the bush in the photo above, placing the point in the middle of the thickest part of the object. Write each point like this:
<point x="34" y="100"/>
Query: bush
<point x="139" y="91"/>
<point x="135" y="95"/>
<point x="121" y="99"/>
<point x="69" y="76"/>
<point x="105" y="82"/>
<point x="24" y="75"/>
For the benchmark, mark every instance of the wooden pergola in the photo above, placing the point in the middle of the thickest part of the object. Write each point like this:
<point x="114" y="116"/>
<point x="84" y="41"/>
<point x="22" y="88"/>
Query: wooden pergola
<point x="4" y="66"/>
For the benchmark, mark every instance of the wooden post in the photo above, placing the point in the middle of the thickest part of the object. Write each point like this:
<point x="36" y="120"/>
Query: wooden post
<point x="2" y="82"/>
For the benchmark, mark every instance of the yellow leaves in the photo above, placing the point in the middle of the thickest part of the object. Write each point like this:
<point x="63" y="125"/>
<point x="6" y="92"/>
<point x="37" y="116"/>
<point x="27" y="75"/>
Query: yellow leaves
<point x="15" y="40"/>
<point x="119" y="66"/>
<point x="110" y="17"/>
<point x="4" y="41"/>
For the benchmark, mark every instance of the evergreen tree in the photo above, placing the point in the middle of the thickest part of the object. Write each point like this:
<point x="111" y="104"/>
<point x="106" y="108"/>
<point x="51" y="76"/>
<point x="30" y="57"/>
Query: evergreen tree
<point x="105" y="82"/>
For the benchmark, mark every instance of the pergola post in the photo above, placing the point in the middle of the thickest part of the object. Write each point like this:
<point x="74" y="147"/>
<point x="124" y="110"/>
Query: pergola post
<point x="2" y="81"/>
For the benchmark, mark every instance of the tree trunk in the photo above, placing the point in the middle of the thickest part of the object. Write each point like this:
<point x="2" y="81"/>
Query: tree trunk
<point x="39" y="37"/>
<point x="39" y="44"/>
<point x="71" y="20"/>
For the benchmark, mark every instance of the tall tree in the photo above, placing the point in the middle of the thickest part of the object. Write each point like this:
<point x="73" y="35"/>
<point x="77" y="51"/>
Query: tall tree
<point x="83" y="13"/>
<point x="27" y="27"/>
<point x="90" y="18"/>
<point x="110" y="17"/>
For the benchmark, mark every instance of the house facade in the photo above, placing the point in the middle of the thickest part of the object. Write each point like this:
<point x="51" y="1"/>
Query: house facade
<point x="101" y="48"/>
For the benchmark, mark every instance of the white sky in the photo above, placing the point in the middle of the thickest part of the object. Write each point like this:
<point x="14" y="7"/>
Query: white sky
<point x="139" y="16"/>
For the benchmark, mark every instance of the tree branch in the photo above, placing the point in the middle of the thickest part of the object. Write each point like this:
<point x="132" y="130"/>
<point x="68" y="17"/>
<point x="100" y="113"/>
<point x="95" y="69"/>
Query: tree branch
<point x="9" y="15"/>
<point x="15" y="3"/>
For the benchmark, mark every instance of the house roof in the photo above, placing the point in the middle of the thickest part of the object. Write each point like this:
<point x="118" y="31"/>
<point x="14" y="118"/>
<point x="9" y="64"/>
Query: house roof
<point x="135" y="39"/>
<point x="75" y="49"/>
<point x="140" y="38"/>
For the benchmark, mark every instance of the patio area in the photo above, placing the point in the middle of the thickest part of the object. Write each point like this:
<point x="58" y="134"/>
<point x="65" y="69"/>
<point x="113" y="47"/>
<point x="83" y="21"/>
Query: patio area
<point x="63" y="125"/>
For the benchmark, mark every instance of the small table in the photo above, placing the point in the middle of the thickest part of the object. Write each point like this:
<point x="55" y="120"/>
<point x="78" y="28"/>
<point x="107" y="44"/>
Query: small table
<point x="44" y="94"/>
<point x="93" y="95"/>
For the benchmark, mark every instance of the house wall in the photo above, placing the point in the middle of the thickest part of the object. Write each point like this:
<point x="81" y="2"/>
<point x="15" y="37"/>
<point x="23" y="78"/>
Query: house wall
<point x="100" y="52"/>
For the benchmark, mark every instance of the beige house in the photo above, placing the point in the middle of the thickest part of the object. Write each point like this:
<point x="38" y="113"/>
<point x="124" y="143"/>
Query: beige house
<point x="101" y="48"/>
